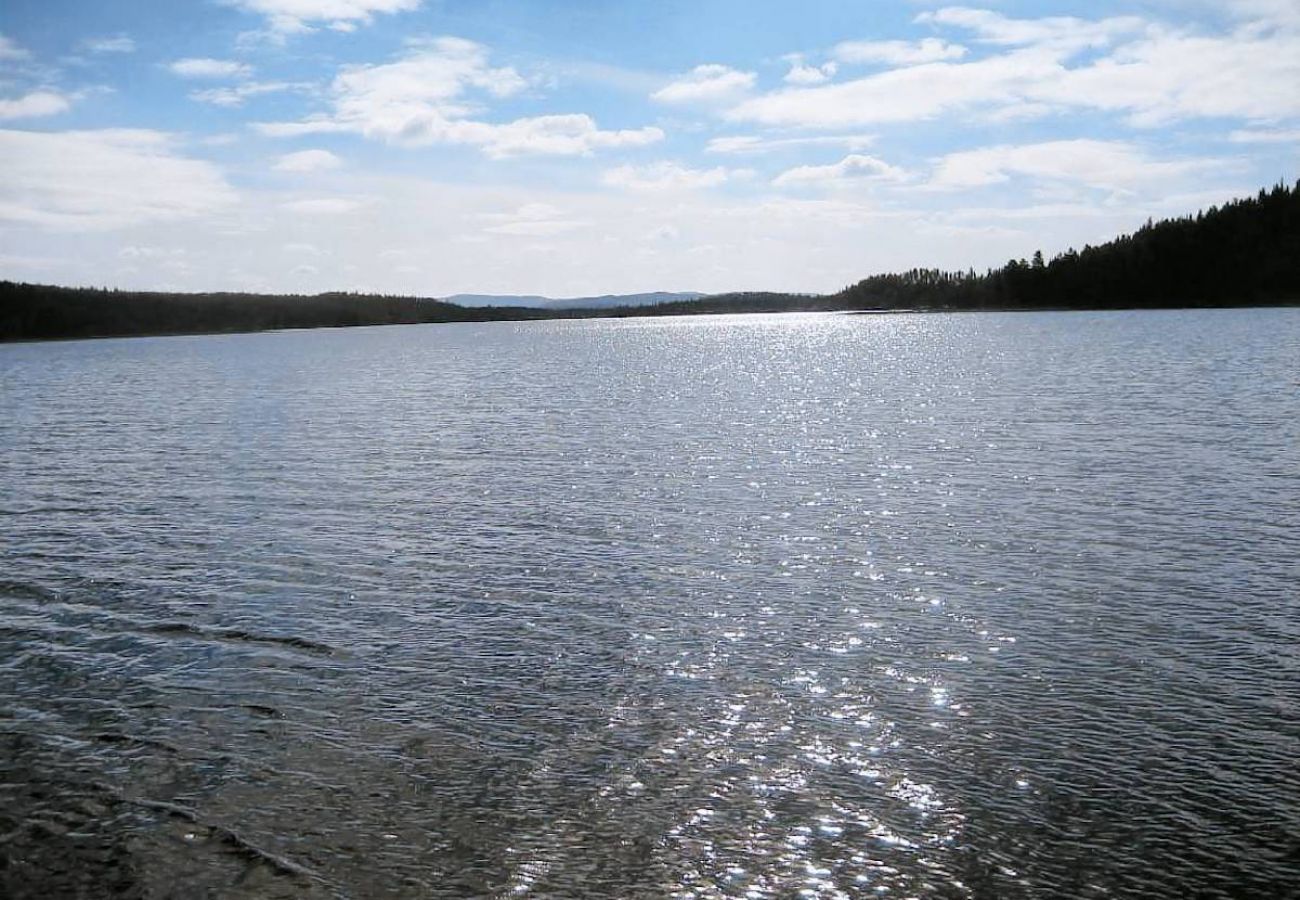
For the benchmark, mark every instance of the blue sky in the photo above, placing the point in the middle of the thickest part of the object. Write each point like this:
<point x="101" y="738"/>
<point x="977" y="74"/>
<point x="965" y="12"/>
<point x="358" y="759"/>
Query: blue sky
<point x="569" y="148"/>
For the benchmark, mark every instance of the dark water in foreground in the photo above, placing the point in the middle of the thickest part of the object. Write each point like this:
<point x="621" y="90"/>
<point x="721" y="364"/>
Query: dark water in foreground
<point x="937" y="606"/>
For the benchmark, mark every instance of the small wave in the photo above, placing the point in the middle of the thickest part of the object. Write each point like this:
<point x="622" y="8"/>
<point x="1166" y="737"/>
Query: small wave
<point x="22" y="590"/>
<point x="238" y="635"/>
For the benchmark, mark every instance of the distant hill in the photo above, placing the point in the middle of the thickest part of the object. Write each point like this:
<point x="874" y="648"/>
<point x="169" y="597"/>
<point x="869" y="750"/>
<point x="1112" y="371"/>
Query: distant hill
<point x="531" y="301"/>
<point x="604" y="301"/>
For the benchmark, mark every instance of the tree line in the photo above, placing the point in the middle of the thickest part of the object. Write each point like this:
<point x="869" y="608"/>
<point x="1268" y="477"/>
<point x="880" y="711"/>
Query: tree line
<point x="1245" y="253"/>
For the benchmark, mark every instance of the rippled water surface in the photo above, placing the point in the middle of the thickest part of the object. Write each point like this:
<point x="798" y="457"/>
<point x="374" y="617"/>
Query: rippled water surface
<point x="768" y="606"/>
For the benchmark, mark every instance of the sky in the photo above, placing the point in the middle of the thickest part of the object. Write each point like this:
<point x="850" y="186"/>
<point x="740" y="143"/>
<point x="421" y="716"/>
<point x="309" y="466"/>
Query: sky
<point x="577" y="147"/>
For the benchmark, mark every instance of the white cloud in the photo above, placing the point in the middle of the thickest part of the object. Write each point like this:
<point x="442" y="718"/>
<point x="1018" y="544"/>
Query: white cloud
<point x="563" y="135"/>
<point x="1265" y="136"/>
<point x="1150" y="75"/>
<point x="297" y="16"/>
<point x="706" y="84"/>
<point x="532" y="220"/>
<point x="668" y="176"/>
<point x="10" y="50"/>
<point x="422" y="99"/>
<point x="753" y="144"/>
<point x="898" y="95"/>
<point x="9" y="261"/>
<point x="307" y="161"/>
<point x="898" y="53"/>
<point x="1060" y="31"/>
<point x="431" y="77"/>
<point x="1277" y="13"/>
<point x="174" y="260"/>
<point x="118" y="43"/>
<point x="88" y="180"/>
<point x="803" y="74"/>
<point x="34" y="105"/>
<point x="529" y="212"/>
<point x="231" y="97"/>
<point x="323" y="206"/>
<point x="132" y="251"/>
<point x="1114" y="166"/>
<point x="203" y="67"/>
<point x="854" y="167"/>
<point x="535" y="229"/>
<point x="1170" y="76"/>
<point x="317" y="124"/>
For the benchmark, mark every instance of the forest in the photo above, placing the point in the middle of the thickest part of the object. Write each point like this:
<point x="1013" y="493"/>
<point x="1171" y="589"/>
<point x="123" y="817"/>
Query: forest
<point x="1244" y="253"/>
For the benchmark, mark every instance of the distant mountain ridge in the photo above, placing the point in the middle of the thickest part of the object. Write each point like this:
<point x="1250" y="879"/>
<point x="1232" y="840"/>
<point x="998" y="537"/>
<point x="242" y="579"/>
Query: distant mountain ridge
<point x="604" y="301"/>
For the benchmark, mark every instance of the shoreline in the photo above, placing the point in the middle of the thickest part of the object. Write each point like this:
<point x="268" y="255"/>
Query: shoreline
<point x="634" y="314"/>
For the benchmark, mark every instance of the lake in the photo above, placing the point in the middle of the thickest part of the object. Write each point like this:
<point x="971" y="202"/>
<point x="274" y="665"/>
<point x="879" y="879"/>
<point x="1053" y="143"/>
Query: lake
<point x="982" y="605"/>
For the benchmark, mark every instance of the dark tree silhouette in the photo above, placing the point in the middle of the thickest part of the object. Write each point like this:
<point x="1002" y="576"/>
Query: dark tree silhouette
<point x="1243" y="254"/>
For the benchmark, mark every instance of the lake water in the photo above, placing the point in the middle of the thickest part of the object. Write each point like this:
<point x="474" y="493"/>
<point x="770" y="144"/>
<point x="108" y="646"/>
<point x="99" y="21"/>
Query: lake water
<point x="993" y="605"/>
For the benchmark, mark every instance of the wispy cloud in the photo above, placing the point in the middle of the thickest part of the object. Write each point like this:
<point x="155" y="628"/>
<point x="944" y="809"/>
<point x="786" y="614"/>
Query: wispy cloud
<point x="307" y="161"/>
<point x="323" y="206"/>
<point x="898" y="95"/>
<point x="855" y="167"/>
<point x="118" y="43"/>
<point x="89" y="180"/>
<point x="754" y="144"/>
<point x="425" y="98"/>
<point x="285" y="17"/>
<point x="9" y="50"/>
<point x="37" y="104"/>
<point x="669" y="176"/>
<point x="1277" y="13"/>
<point x="1265" y="136"/>
<point x="1149" y="74"/>
<point x="1057" y="31"/>
<point x="898" y="53"/>
<point x="706" y="84"/>
<point x="205" y="67"/>
<point x="803" y="74"/>
<point x="532" y="220"/>
<point x="1106" y="165"/>
<point x="234" y="96"/>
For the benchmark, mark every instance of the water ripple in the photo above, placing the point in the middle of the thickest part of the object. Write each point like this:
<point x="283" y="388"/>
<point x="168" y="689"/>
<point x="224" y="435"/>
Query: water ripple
<point x="947" y="606"/>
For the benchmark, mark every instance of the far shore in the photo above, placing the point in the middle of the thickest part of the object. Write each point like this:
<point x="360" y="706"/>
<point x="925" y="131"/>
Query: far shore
<point x="636" y="312"/>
